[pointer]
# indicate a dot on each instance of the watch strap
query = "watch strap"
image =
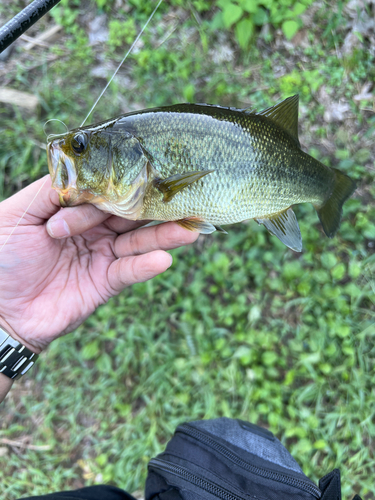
(15, 358)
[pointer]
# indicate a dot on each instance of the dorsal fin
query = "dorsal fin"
(285, 114)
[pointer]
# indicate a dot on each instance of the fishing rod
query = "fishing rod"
(9, 31)
(23, 21)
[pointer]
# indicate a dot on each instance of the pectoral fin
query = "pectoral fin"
(284, 225)
(198, 225)
(176, 183)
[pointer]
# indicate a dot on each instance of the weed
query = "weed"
(240, 326)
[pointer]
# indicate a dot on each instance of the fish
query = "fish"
(202, 166)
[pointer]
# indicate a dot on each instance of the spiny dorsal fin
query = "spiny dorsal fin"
(285, 114)
(176, 183)
(284, 225)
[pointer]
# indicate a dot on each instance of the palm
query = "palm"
(49, 286)
(58, 283)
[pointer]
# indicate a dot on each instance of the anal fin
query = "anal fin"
(193, 224)
(285, 226)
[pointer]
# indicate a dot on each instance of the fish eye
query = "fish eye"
(79, 143)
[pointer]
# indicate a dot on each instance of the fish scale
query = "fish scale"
(201, 166)
(252, 176)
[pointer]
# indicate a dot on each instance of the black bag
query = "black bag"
(232, 460)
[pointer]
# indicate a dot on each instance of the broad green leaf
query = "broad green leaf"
(321, 276)
(224, 3)
(355, 269)
(342, 331)
(189, 91)
(269, 358)
(320, 444)
(250, 6)
(260, 18)
(104, 363)
(244, 32)
(255, 313)
(267, 3)
(369, 231)
(231, 14)
(362, 155)
(91, 350)
(338, 272)
(290, 28)
(328, 260)
(299, 8)
(217, 21)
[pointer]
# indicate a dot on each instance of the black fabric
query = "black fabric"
(99, 492)
(330, 486)
(224, 458)
(158, 488)
(220, 459)
(171, 494)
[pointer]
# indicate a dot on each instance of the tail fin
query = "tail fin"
(330, 213)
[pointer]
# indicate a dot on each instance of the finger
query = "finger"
(71, 221)
(38, 200)
(120, 225)
(136, 269)
(162, 237)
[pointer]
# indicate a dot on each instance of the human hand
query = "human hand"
(49, 284)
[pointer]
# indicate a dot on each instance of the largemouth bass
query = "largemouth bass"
(201, 166)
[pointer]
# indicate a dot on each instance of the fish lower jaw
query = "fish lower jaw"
(130, 207)
(72, 197)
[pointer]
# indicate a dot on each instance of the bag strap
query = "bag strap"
(330, 486)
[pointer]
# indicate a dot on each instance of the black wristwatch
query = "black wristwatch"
(15, 358)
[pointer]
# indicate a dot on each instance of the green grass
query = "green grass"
(240, 326)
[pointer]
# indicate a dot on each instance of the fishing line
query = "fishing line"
(23, 215)
(91, 110)
(121, 63)
(50, 136)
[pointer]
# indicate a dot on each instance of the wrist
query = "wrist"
(5, 385)
(15, 358)
(5, 382)
(8, 329)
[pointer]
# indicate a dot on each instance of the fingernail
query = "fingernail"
(58, 228)
(171, 261)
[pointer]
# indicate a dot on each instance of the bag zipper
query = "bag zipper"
(275, 476)
(202, 483)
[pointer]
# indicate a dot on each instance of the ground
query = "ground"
(240, 326)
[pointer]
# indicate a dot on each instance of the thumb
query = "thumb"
(71, 221)
(36, 203)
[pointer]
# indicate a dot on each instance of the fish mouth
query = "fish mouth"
(63, 173)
